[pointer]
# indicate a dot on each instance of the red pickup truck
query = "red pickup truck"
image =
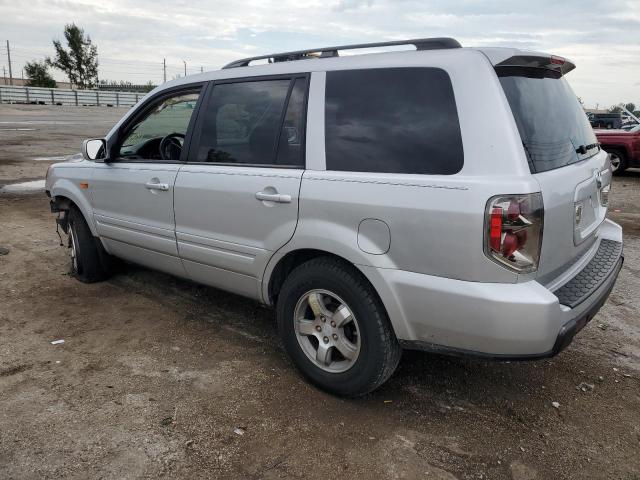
(623, 145)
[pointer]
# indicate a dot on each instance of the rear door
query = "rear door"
(236, 201)
(564, 157)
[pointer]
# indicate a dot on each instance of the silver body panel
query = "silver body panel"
(225, 235)
(130, 217)
(417, 238)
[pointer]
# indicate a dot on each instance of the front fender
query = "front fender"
(70, 188)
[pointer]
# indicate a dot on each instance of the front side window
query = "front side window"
(243, 123)
(160, 134)
(392, 120)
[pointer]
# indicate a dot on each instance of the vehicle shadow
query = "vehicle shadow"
(439, 381)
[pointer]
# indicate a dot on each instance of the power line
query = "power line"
(112, 67)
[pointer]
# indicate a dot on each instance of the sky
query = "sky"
(602, 37)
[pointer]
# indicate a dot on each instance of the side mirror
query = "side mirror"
(94, 149)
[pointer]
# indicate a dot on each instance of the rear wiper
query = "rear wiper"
(583, 149)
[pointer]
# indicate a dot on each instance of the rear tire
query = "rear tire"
(89, 261)
(311, 309)
(618, 161)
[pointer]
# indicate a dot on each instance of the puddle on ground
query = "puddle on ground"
(23, 187)
(51, 159)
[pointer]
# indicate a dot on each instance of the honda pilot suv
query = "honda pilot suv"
(446, 199)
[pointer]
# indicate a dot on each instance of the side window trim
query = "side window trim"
(204, 101)
(201, 88)
(283, 114)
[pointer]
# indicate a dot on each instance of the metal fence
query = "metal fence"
(59, 96)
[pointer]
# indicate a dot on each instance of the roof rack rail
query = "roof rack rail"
(419, 43)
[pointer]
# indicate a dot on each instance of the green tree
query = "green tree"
(630, 106)
(38, 75)
(80, 61)
(149, 86)
(615, 109)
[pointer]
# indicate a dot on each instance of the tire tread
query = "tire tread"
(391, 350)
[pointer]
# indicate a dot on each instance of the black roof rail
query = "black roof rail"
(419, 43)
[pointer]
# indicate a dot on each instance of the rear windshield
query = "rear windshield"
(554, 129)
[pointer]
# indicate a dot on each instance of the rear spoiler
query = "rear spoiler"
(554, 63)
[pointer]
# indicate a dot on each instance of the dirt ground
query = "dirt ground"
(159, 377)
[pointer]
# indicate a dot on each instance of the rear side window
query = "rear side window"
(242, 123)
(551, 122)
(392, 120)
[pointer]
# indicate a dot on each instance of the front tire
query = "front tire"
(89, 261)
(335, 329)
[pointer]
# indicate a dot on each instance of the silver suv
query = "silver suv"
(447, 199)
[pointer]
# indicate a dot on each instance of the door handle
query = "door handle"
(157, 186)
(273, 197)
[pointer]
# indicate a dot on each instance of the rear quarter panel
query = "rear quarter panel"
(436, 222)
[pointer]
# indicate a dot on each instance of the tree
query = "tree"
(615, 109)
(38, 75)
(630, 106)
(80, 61)
(149, 86)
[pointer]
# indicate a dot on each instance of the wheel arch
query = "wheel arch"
(283, 263)
(64, 193)
(620, 148)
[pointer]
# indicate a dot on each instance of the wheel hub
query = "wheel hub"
(327, 331)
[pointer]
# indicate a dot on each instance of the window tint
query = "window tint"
(169, 116)
(242, 122)
(393, 120)
(551, 122)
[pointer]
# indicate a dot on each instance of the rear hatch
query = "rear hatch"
(564, 157)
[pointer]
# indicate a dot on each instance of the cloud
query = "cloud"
(351, 4)
(134, 36)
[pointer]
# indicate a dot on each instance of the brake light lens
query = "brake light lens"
(513, 226)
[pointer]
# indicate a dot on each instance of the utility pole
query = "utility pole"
(9, 58)
(4, 74)
(164, 69)
(185, 67)
(201, 69)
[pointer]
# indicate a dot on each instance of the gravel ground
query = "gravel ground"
(159, 377)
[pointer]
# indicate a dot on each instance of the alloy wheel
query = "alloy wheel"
(614, 158)
(327, 331)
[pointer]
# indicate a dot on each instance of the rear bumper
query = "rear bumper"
(495, 320)
(595, 301)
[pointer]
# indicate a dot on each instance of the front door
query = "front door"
(132, 194)
(236, 200)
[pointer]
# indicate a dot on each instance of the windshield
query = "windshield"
(553, 126)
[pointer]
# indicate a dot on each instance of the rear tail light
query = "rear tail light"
(513, 226)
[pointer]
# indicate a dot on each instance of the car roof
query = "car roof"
(495, 55)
